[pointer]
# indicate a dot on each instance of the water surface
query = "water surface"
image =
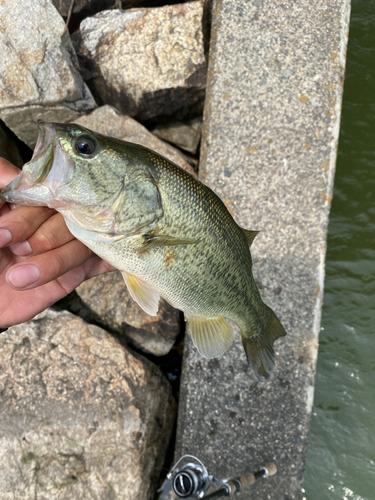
(341, 456)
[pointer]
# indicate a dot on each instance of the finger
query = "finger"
(5, 260)
(38, 299)
(4, 209)
(7, 173)
(96, 266)
(92, 267)
(19, 224)
(41, 269)
(52, 234)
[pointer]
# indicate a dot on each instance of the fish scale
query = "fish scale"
(170, 235)
(223, 240)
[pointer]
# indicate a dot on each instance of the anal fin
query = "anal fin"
(146, 295)
(211, 336)
(259, 350)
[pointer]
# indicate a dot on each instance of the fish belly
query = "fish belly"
(189, 283)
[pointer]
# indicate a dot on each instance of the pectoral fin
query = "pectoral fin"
(212, 336)
(154, 241)
(146, 295)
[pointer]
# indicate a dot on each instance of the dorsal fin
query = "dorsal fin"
(249, 235)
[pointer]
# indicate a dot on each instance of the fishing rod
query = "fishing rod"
(190, 479)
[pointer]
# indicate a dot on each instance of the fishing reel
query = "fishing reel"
(190, 479)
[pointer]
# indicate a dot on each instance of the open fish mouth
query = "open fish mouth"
(46, 137)
(40, 178)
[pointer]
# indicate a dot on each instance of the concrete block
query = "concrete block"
(271, 128)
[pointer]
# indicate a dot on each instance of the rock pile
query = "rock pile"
(114, 46)
(112, 306)
(39, 75)
(81, 416)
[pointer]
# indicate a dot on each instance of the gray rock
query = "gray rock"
(8, 147)
(269, 143)
(111, 304)
(146, 62)
(184, 135)
(108, 121)
(81, 417)
(39, 76)
(23, 120)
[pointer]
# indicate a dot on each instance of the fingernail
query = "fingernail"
(5, 237)
(23, 276)
(21, 248)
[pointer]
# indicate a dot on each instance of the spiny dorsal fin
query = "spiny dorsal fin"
(163, 240)
(212, 337)
(249, 235)
(146, 295)
(259, 350)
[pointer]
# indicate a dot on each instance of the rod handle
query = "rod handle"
(249, 479)
(271, 467)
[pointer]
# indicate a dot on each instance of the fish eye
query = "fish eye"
(84, 146)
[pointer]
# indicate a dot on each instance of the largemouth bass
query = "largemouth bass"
(169, 234)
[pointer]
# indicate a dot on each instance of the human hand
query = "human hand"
(40, 260)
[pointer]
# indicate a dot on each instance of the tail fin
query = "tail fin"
(259, 350)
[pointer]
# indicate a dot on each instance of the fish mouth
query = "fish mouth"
(47, 133)
(40, 178)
